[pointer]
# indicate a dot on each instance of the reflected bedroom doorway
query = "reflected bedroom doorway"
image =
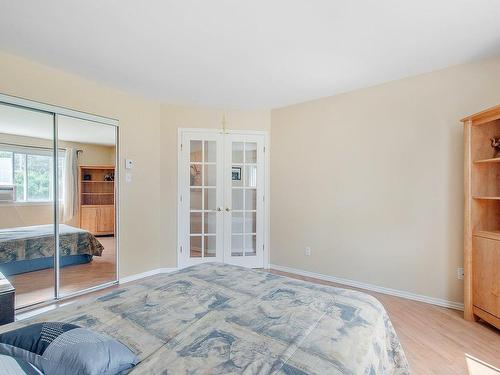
(87, 195)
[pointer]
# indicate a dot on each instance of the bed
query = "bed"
(26, 249)
(221, 319)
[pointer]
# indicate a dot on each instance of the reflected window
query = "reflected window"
(30, 171)
(5, 168)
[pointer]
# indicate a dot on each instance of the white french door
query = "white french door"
(244, 200)
(221, 205)
(202, 198)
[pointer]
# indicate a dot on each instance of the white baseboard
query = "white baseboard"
(142, 275)
(373, 288)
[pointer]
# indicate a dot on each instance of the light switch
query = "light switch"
(129, 163)
(128, 177)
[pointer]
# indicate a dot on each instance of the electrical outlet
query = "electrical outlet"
(307, 251)
(460, 273)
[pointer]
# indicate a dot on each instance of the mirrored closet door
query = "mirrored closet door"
(58, 199)
(27, 181)
(87, 241)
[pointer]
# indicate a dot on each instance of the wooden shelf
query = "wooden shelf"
(98, 167)
(485, 161)
(491, 234)
(98, 205)
(97, 182)
(97, 193)
(97, 199)
(482, 217)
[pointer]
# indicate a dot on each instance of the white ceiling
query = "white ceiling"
(28, 123)
(249, 54)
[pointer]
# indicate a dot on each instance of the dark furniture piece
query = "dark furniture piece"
(7, 294)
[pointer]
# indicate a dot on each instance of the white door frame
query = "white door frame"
(180, 132)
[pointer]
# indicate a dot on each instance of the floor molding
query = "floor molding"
(137, 276)
(373, 288)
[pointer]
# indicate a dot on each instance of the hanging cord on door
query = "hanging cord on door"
(224, 122)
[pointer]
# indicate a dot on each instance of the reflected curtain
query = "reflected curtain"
(70, 205)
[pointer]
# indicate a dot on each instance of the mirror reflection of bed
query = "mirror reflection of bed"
(86, 191)
(32, 287)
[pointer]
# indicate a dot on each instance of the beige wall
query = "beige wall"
(372, 180)
(145, 242)
(139, 134)
(173, 118)
(18, 215)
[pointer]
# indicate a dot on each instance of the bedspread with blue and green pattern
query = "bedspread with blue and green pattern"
(221, 319)
(38, 242)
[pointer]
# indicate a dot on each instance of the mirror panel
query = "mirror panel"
(27, 232)
(87, 242)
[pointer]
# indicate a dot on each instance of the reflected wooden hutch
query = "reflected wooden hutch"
(97, 199)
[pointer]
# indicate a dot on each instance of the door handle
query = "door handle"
(228, 209)
(219, 209)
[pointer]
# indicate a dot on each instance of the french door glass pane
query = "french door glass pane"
(196, 151)
(195, 246)
(203, 198)
(237, 199)
(250, 152)
(236, 245)
(210, 151)
(209, 246)
(237, 176)
(237, 222)
(238, 152)
(251, 176)
(250, 222)
(196, 175)
(210, 221)
(244, 198)
(210, 175)
(250, 199)
(195, 199)
(195, 223)
(210, 198)
(250, 245)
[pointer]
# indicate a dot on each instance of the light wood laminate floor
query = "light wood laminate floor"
(436, 340)
(38, 286)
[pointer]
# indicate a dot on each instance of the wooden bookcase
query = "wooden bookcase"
(97, 199)
(482, 217)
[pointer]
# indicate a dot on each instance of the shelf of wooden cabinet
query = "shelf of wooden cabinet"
(97, 205)
(97, 182)
(491, 234)
(485, 161)
(481, 217)
(97, 198)
(97, 193)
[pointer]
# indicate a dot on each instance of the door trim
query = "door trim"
(180, 132)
